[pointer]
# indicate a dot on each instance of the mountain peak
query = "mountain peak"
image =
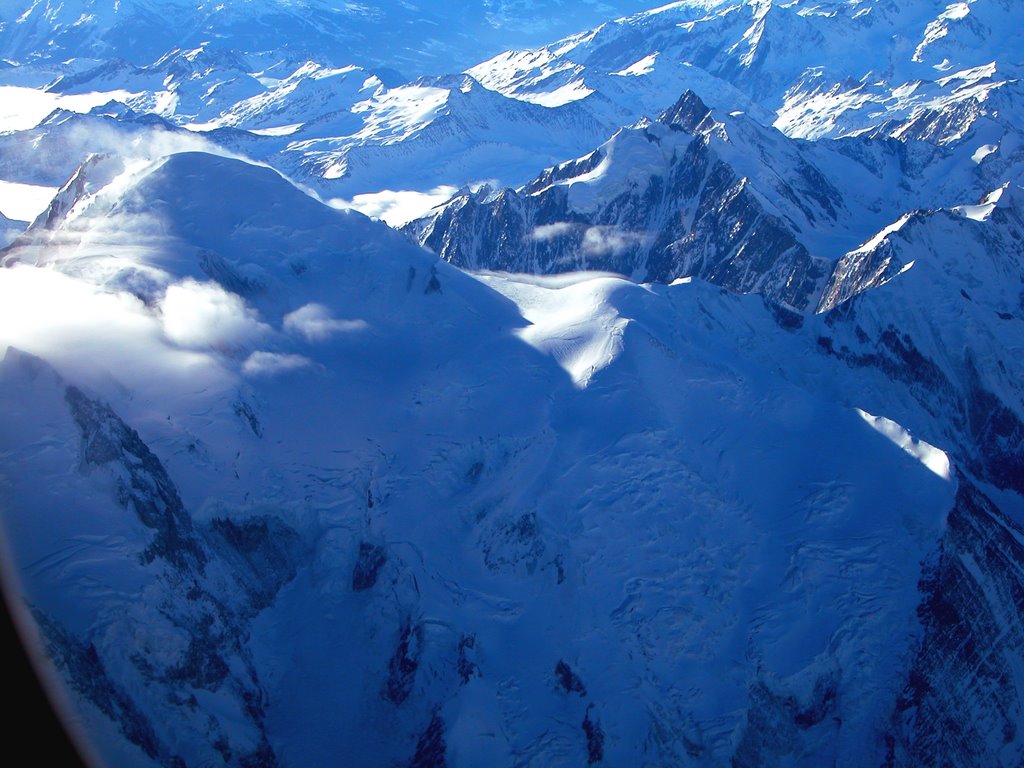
(688, 113)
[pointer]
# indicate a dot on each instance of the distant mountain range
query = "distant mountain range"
(415, 38)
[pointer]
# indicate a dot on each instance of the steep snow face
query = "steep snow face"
(311, 91)
(571, 319)
(143, 226)
(492, 504)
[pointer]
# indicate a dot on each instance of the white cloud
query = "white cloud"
(606, 241)
(396, 207)
(270, 363)
(598, 240)
(23, 202)
(201, 315)
(314, 323)
(550, 231)
(89, 333)
(22, 108)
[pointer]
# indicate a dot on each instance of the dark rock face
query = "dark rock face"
(734, 243)
(139, 693)
(201, 667)
(786, 319)
(963, 704)
(433, 284)
(896, 355)
(142, 485)
(430, 749)
(693, 216)
(568, 170)
(371, 559)
(515, 545)
(595, 739)
(953, 352)
(688, 114)
(824, 703)
(262, 553)
(988, 433)
(937, 126)
(85, 672)
(261, 757)
(232, 276)
(467, 668)
(997, 432)
(569, 680)
(498, 233)
(776, 720)
(71, 193)
(857, 272)
(205, 582)
(403, 664)
(245, 412)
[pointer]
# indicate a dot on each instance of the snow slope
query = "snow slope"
(493, 505)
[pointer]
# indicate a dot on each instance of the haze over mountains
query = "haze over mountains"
(416, 38)
(677, 419)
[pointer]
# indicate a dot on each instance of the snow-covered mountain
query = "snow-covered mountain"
(720, 197)
(657, 201)
(446, 129)
(821, 68)
(693, 436)
(351, 128)
(416, 38)
(340, 131)
(429, 481)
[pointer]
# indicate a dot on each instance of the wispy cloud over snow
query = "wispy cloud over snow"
(86, 330)
(596, 240)
(315, 323)
(271, 363)
(22, 107)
